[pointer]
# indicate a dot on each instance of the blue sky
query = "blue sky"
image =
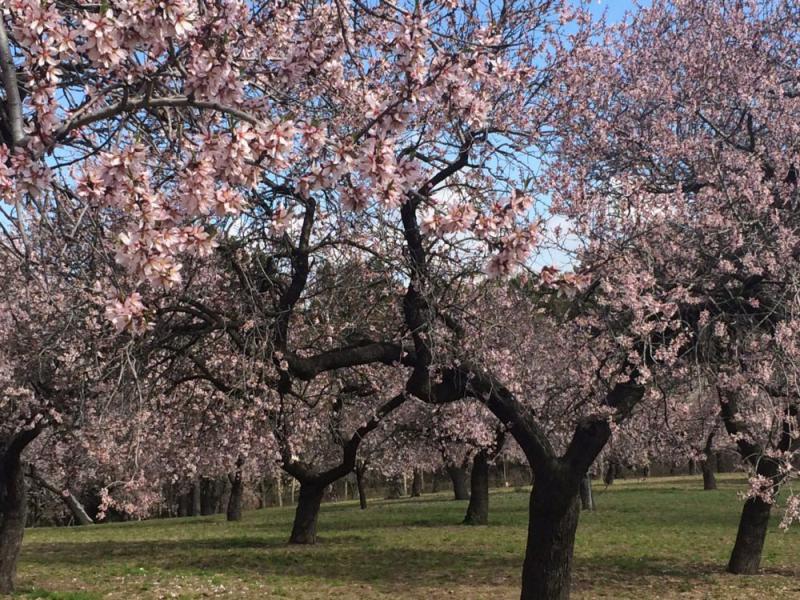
(616, 8)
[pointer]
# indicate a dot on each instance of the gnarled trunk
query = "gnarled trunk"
(458, 475)
(304, 529)
(13, 506)
(478, 509)
(587, 498)
(551, 539)
(753, 524)
(362, 492)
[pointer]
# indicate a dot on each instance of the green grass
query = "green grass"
(663, 538)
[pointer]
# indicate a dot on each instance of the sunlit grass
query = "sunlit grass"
(663, 538)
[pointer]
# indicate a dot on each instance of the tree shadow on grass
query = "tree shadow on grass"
(342, 558)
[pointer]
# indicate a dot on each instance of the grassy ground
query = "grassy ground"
(664, 538)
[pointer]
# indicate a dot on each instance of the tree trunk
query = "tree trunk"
(416, 484)
(587, 499)
(395, 491)
(611, 473)
(458, 475)
(692, 467)
(304, 529)
(478, 509)
(73, 504)
(14, 508)
(234, 512)
(709, 479)
(362, 492)
(753, 524)
(551, 539)
(185, 504)
(196, 498)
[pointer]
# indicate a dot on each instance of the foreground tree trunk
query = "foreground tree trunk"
(12, 526)
(304, 529)
(458, 475)
(13, 507)
(362, 492)
(753, 525)
(478, 509)
(551, 539)
(587, 498)
(754, 522)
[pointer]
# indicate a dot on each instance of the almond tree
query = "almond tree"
(681, 168)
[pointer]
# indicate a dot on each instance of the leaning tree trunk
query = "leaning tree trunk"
(478, 509)
(587, 498)
(73, 504)
(458, 475)
(13, 495)
(746, 555)
(551, 539)
(234, 512)
(362, 491)
(304, 529)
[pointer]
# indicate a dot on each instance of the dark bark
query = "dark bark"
(221, 489)
(12, 524)
(304, 529)
(434, 482)
(753, 524)
(611, 473)
(692, 467)
(13, 507)
(212, 492)
(362, 492)
(196, 498)
(234, 512)
(416, 484)
(709, 479)
(551, 539)
(587, 498)
(478, 509)
(458, 475)
(185, 504)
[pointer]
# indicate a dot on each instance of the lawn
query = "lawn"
(662, 538)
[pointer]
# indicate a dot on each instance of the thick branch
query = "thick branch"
(13, 101)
